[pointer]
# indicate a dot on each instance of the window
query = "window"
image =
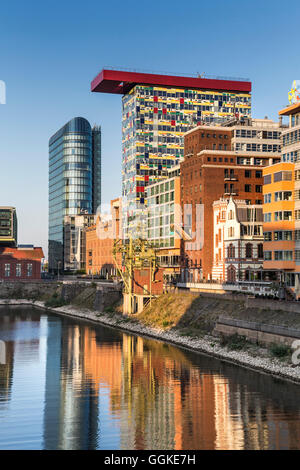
(260, 250)
(287, 215)
(7, 270)
(247, 173)
(247, 188)
(231, 251)
(258, 174)
(283, 176)
(29, 269)
(283, 196)
(267, 217)
(18, 270)
(283, 255)
(267, 255)
(268, 236)
(288, 235)
(267, 179)
(288, 256)
(297, 234)
(248, 250)
(258, 188)
(267, 198)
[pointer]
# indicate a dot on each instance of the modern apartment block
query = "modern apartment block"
(213, 168)
(74, 241)
(74, 180)
(279, 222)
(282, 205)
(164, 222)
(157, 110)
(255, 135)
(238, 241)
(8, 226)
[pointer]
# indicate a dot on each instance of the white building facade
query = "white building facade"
(238, 241)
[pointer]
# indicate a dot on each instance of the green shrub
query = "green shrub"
(55, 301)
(109, 309)
(234, 342)
(280, 350)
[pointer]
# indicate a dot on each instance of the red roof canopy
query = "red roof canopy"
(118, 82)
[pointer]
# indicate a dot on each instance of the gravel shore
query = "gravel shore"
(207, 344)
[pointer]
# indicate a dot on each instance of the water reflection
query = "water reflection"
(71, 385)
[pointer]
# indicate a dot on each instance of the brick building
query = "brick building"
(20, 264)
(99, 239)
(222, 161)
(147, 282)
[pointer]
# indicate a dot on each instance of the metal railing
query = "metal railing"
(177, 74)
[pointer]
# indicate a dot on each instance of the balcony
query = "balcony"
(231, 192)
(230, 178)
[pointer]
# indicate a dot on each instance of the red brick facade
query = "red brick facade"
(208, 173)
(18, 264)
(142, 281)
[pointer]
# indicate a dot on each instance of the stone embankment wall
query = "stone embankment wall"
(258, 333)
(284, 306)
(28, 290)
(92, 295)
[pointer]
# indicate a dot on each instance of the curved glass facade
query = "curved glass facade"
(71, 178)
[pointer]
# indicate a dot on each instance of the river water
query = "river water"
(69, 384)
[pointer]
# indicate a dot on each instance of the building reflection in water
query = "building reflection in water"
(107, 389)
(160, 396)
(9, 337)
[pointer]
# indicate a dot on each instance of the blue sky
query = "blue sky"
(50, 52)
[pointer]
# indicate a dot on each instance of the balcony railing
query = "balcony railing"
(230, 178)
(232, 192)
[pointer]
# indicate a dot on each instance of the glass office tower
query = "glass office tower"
(74, 180)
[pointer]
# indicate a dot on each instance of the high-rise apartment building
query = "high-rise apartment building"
(164, 222)
(157, 110)
(8, 226)
(74, 180)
